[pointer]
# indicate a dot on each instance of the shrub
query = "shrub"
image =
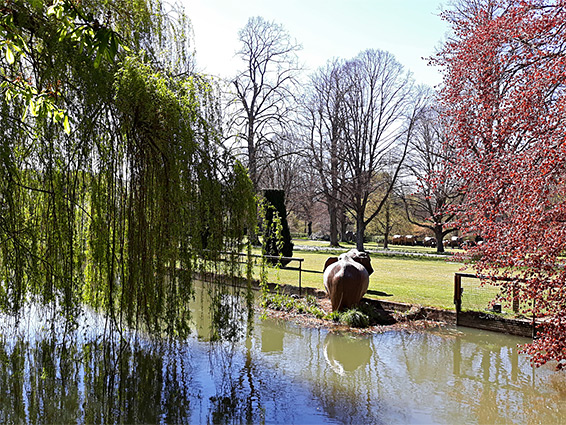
(334, 316)
(276, 237)
(311, 300)
(315, 311)
(355, 318)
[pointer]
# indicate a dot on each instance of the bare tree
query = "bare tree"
(392, 214)
(264, 89)
(436, 191)
(303, 195)
(283, 173)
(381, 106)
(324, 117)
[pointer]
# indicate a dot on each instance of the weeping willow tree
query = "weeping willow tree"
(114, 188)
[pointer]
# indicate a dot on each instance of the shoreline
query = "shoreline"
(402, 312)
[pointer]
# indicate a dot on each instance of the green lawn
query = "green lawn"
(374, 245)
(422, 281)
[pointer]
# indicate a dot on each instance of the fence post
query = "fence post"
(457, 294)
(534, 324)
(300, 272)
(515, 299)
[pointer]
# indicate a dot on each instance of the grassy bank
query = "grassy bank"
(424, 281)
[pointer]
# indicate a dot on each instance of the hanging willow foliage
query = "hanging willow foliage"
(117, 208)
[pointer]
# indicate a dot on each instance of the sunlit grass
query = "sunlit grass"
(428, 282)
(374, 246)
(413, 280)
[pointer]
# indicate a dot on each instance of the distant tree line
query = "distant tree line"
(356, 135)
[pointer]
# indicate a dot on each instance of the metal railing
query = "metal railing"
(276, 258)
(458, 290)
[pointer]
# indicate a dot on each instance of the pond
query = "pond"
(281, 373)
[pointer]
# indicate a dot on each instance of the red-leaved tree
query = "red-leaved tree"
(504, 95)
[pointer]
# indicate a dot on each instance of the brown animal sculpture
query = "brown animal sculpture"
(346, 278)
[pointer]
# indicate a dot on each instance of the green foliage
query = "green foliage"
(311, 300)
(355, 318)
(278, 301)
(276, 234)
(29, 28)
(315, 311)
(115, 189)
(335, 316)
(282, 302)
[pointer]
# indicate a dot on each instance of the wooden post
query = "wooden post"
(534, 324)
(457, 294)
(300, 272)
(515, 299)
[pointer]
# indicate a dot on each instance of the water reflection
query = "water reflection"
(272, 339)
(48, 382)
(346, 352)
(439, 376)
(281, 373)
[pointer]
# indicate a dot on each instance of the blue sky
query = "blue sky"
(410, 29)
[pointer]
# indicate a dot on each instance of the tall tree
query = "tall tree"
(264, 88)
(324, 117)
(505, 95)
(380, 109)
(436, 190)
(103, 209)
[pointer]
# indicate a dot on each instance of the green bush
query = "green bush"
(278, 302)
(283, 302)
(311, 300)
(334, 316)
(276, 234)
(315, 311)
(355, 318)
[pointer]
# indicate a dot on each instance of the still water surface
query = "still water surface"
(282, 373)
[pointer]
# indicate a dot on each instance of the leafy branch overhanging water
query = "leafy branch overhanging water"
(120, 206)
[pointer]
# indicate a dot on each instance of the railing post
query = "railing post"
(300, 273)
(515, 299)
(534, 324)
(457, 294)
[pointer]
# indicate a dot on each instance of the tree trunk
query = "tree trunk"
(387, 225)
(343, 224)
(252, 170)
(332, 202)
(333, 213)
(252, 160)
(360, 231)
(439, 235)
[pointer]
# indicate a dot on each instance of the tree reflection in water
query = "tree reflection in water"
(347, 353)
(89, 376)
(94, 381)
(280, 373)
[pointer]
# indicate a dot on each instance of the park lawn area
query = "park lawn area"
(422, 281)
(373, 245)
(414, 281)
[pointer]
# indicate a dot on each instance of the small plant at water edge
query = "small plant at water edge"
(335, 316)
(315, 311)
(283, 302)
(311, 300)
(278, 302)
(355, 318)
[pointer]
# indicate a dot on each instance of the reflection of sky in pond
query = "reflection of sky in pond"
(282, 373)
